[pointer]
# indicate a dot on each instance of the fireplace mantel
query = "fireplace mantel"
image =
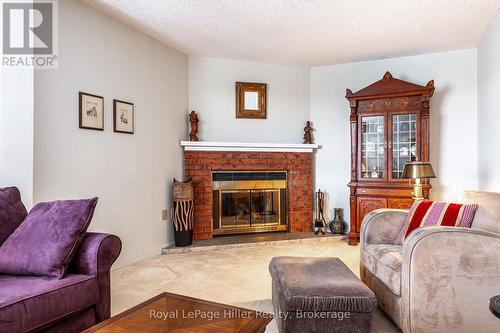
(248, 147)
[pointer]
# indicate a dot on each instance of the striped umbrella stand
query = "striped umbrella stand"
(182, 212)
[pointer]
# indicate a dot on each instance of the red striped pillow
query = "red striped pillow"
(428, 213)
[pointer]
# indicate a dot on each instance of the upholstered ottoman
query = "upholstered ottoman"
(319, 295)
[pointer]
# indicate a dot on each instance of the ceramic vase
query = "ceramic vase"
(337, 224)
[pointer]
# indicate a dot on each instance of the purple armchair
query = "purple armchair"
(71, 304)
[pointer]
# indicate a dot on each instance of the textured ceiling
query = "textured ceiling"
(308, 32)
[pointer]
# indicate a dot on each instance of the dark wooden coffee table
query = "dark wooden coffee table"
(176, 313)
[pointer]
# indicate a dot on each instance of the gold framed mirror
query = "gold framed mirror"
(251, 100)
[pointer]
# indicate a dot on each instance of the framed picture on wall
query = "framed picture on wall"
(123, 117)
(90, 111)
(251, 100)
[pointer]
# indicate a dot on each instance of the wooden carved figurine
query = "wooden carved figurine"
(194, 120)
(308, 139)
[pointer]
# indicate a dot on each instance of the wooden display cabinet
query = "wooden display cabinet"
(389, 127)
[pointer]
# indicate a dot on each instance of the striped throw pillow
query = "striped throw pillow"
(428, 213)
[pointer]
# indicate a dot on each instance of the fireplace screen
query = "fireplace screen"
(250, 208)
(244, 205)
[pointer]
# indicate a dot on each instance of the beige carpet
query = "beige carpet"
(237, 276)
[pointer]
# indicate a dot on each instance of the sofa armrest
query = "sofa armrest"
(95, 257)
(381, 226)
(448, 276)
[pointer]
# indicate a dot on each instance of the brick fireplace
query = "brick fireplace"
(202, 159)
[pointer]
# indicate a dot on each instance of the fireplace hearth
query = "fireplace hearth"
(245, 202)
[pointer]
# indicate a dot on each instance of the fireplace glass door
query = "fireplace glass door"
(249, 208)
(265, 207)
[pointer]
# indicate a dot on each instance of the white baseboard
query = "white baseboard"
(136, 257)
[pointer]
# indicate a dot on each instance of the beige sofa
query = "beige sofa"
(442, 278)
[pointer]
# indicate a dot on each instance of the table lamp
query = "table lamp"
(417, 171)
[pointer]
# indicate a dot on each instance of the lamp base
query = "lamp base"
(417, 191)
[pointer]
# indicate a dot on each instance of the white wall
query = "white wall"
(489, 108)
(16, 131)
(453, 110)
(212, 95)
(131, 174)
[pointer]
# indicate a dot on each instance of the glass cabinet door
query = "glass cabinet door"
(404, 142)
(373, 147)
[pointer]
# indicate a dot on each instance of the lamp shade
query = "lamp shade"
(414, 170)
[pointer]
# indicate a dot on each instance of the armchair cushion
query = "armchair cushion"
(12, 211)
(28, 302)
(384, 261)
(47, 240)
(428, 213)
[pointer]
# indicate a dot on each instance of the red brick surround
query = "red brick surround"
(199, 165)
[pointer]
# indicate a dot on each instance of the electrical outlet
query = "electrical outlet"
(164, 215)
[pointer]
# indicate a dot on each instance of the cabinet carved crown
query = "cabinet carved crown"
(389, 125)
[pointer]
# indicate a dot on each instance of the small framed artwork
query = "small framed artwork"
(91, 111)
(123, 117)
(251, 100)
